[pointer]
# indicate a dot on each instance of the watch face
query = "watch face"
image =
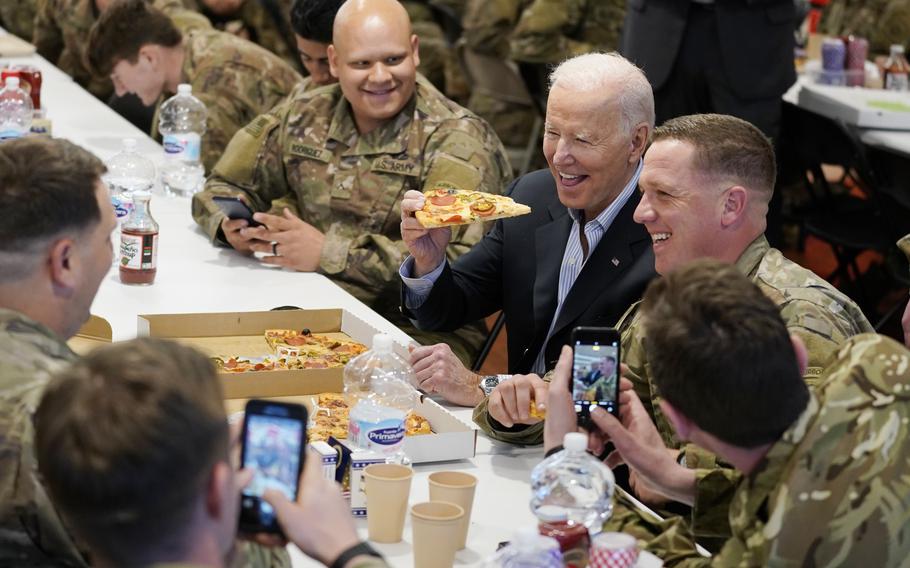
(489, 383)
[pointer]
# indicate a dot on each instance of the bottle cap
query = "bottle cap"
(184, 89)
(382, 343)
(129, 144)
(551, 514)
(897, 48)
(575, 442)
(12, 82)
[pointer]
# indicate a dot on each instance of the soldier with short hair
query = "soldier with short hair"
(312, 21)
(143, 52)
(342, 156)
(55, 248)
(824, 471)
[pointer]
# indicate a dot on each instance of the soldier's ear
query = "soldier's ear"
(415, 45)
(62, 266)
(333, 60)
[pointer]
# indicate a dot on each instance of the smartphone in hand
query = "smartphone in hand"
(235, 208)
(595, 370)
(274, 447)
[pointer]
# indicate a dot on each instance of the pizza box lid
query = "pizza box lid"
(93, 334)
(864, 108)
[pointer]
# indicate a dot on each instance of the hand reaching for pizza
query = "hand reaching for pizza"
(438, 370)
(297, 244)
(427, 246)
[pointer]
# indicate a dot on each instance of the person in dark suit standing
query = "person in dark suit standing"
(577, 259)
(724, 56)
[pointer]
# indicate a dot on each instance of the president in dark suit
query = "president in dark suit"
(577, 259)
(725, 56)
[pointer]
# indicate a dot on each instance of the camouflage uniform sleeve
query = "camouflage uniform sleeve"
(251, 167)
(252, 555)
(488, 23)
(539, 36)
(462, 152)
(224, 119)
(46, 35)
(520, 434)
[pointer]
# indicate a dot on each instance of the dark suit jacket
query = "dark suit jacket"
(515, 267)
(755, 37)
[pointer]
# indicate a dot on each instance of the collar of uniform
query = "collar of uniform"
(390, 138)
(17, 322)
(755, 488)
(748, 261)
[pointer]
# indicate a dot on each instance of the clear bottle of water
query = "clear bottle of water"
(181, 122)
(527, 550)
(377, 385)
(127, 172)
(16, 110)
(574, 483)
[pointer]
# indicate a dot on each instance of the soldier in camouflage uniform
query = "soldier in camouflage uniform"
(341, 156)
(812, 309)
(61, 29)
(18, 17)
(50, 269)
(882, 22)
(145, 53)
(312, 21)
(825, 474)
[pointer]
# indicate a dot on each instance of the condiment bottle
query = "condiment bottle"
(139, 243)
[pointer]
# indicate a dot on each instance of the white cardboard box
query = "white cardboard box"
(864, 108)
(239, 333)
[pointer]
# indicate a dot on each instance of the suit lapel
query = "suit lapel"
(550, 241)
(606, 263)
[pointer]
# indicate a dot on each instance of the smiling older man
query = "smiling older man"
(577, 259)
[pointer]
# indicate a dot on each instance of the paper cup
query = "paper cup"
(387, 488)
(613, 550)
(455, 487)
(436, 527)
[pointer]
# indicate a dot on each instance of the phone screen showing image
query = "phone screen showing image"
(595, 375)
(272, 448)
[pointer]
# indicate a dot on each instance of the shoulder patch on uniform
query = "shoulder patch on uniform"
(259, 125)
(313, 152)
(387, 164)
(448, 171)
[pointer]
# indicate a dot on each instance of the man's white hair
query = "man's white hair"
(601, 71)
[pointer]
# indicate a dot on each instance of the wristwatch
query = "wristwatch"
(359, 549)
(489, 382)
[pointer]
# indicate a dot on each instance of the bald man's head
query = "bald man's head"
(374, 56)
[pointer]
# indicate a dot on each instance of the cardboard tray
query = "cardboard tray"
(93, 333)
(241, 333)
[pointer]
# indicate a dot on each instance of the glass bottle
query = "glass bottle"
(139, 243)
(897, 70)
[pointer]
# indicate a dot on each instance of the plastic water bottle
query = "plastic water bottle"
(575, 484)
(127, 172)
(16, 110)
(181, 122)
(377, 384)
(528, 550)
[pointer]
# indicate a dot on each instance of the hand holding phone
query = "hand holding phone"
(274, 440)
(235, 208)
(595, 370)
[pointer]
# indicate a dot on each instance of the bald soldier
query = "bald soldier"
(144, 53)
(342, 156)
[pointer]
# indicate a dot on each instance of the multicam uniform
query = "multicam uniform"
(307, 154)
(31, 532)
(61, 30)
(18, 17)
(254, 21)
(835, 489)
(236, 79)
(882, 22)
(550, 31)
(811, 308)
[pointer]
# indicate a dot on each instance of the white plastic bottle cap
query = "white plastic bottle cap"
(129, 144)
(184, 89)
(382, 343)
(12, 82)
(575, 442)
(551, 514)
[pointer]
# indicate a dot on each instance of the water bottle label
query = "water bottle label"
(138, 252)
(379, 436)
(10, 133)
(185, 146)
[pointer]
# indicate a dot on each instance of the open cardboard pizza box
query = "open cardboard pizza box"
(241, 333)
(93, 333)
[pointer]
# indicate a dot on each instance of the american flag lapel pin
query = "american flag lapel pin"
(615, 261)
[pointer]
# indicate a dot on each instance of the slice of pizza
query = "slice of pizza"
(416, 425)
(446, 207)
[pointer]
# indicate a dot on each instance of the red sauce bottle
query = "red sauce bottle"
(139, 243)
(573, 540)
